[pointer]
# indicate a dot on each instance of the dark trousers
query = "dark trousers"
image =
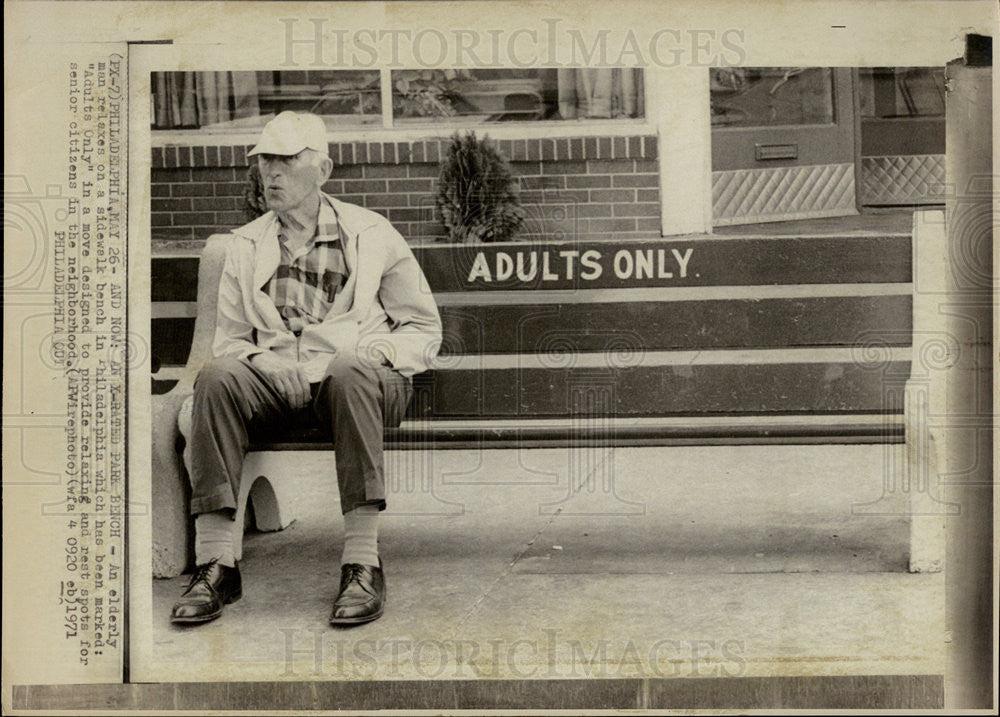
(234, 403)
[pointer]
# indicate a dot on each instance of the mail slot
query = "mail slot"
(777, 151)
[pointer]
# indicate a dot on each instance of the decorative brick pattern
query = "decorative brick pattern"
(430, 150)
(571, 188)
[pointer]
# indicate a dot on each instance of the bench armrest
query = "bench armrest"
(171, 519)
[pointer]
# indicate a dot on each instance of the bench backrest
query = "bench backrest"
(701, 326)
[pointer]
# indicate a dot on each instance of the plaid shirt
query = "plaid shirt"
(307, 281)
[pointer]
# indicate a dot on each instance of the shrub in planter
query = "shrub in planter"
(475, 192)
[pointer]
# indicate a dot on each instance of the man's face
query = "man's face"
(290, 181)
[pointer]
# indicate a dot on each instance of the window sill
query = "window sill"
(417, 131)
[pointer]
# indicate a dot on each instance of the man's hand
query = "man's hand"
(286, 376)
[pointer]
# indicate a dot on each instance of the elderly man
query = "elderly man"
(324, 315)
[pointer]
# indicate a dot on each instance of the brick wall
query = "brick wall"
(571, 188)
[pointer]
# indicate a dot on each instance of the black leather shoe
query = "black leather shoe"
(362, 595)
(212, 586)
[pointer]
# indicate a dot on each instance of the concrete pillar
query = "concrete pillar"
(966, 456)
(935, 353)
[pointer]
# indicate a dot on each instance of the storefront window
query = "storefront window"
(893, 92)
(475, 96)
(771, 96)
(236, 100)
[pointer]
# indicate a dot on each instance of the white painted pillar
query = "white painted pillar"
(679, 104)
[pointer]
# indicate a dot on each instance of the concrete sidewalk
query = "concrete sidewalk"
(547, 563)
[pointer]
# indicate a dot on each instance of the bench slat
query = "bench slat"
(174, 278)
(657, 390)
(747, 323)
(661, 390)
(712, 262)
(684, 325)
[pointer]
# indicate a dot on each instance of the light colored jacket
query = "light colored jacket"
(385, 308)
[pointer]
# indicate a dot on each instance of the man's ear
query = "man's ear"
(325, 168)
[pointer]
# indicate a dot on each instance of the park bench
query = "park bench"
(692, 340)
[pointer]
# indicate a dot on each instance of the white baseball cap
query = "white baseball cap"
(291, 132)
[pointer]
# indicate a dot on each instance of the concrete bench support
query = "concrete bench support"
(263, 485)
(925, 397)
